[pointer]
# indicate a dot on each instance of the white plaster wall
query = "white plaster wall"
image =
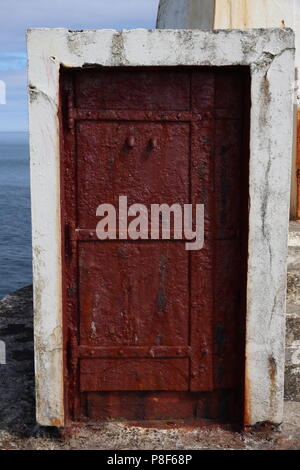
(269, 177)
(270, 56)
(182, 14)
(45, 203)
(240, 14)
(226, 14)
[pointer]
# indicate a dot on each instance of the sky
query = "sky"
(18, 15)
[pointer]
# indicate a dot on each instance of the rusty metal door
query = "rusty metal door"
(153, 331)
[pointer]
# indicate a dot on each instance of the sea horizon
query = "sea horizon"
(15, 238)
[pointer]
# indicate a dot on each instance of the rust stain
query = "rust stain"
(247, 400)
(246, 14)
(298, 164)
(230, 15)
(243, 14)
(272, 369)
(272, 375)
(56, 423)
(298, 193)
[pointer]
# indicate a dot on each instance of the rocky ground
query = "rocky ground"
(18, 429)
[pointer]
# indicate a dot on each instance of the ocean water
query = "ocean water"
(15, 228)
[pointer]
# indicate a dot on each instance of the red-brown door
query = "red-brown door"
(153, 331)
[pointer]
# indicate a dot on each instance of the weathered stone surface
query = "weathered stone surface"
(293, 287)
(17, 404)
(294, 258)
(292, 351)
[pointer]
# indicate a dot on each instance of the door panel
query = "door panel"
(141, 374)
(116, 278)
(133, 89)
(108, 168)
(153, 331)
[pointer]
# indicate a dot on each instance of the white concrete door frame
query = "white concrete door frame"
(269, 54)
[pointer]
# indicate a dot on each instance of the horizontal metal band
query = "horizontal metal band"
(85, 352)
(91, 235)
(135, 115)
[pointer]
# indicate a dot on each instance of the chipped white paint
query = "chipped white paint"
(2, 353)
(270, 56)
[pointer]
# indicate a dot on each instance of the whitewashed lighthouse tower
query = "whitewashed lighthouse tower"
(186, 14)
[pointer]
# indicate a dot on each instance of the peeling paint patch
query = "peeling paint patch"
(117, 50)
(273, 384)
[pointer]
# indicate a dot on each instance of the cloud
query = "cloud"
(12, 61)
(18, 15)
(14, 114)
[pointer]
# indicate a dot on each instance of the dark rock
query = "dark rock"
(17, 403)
